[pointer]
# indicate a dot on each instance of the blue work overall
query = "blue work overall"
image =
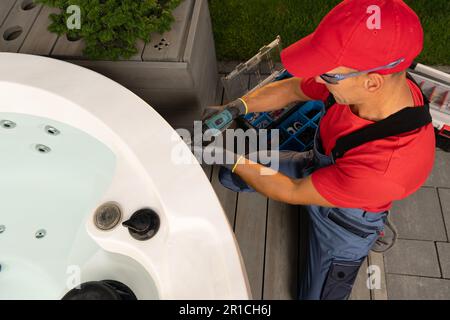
(339, 238)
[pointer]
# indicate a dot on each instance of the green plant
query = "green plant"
(111, 28)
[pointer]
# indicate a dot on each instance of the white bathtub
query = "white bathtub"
(112, 147)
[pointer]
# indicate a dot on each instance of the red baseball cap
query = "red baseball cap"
(358, 34)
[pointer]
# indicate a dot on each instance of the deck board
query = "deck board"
(66, 48)
(17, 19)
(227, 197)
(302, 252)
(5, 8)
(281, 261)
(377, 259)
(250, 230)
(39, 40)
(208, 171)
(360, 289)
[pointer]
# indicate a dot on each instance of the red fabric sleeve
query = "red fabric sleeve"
(349, 185)
(314, 90)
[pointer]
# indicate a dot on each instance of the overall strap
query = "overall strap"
(403, 121)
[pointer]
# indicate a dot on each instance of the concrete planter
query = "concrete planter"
(176, 73)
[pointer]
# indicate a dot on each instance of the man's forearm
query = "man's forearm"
(278, 186)
(274, 96)
(275, 186)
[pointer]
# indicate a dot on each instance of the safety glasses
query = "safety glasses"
(331, 78)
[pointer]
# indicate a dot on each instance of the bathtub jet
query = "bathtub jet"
(72, 144)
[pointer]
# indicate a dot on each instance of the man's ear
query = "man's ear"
(373, 82)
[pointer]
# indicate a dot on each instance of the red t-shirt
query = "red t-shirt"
(372, 175)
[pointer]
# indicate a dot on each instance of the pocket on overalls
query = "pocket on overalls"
(340, 279)
(351, 226)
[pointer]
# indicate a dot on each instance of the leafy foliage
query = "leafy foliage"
(111, 28)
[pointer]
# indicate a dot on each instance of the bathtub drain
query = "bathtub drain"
(107, 216)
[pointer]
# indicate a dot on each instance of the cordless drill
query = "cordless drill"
(223, 119)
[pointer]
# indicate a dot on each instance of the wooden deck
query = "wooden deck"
(272, 237)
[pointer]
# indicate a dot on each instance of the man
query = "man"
(375, 143)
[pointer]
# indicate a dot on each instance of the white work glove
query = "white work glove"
(217, 155)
